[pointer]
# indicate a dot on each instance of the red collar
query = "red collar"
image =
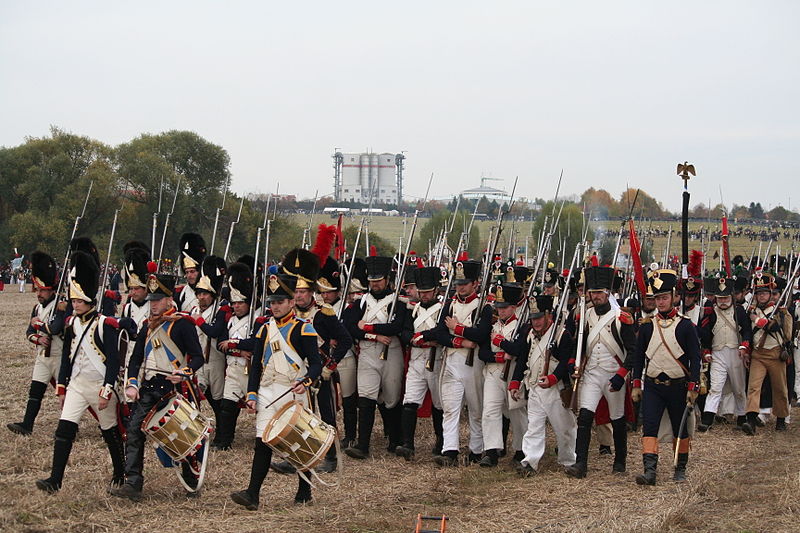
(468, 299)
(285, 320)
(671, 314)
(510, 319)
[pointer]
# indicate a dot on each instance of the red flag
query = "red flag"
(636, 255)
(339, 249)
(726, 253)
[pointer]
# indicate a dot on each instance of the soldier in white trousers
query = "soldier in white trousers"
(725, 335)
(422, 376)
(542, 369)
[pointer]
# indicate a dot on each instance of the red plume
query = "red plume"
(463, 256)
(372, 250)
(152, 267)
(322, 246)
(695, 264)
(595, 260)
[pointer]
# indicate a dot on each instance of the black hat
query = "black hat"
(378, 267)
(212, 275)
(550, 277)
(427, 278)
(281, 287)
(358, 278)
(329, 278)
(573, 281)
(780, 284)
(240, 281)
(631, 303)
(85, 244)
(690, 285)
(135, 244)
(741, 282)
(507, 294)
(303, 265)
(719, 285)
(517, 274)
(256, 269)
(43, 270)
(538, 303)
(134, 271)
(763, 281)
(466, 271)
(84, 277)
(193, 251)
(661, 281)
(598, 278)
(160, 286)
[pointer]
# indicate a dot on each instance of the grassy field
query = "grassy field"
(736, 483)
(391, 228)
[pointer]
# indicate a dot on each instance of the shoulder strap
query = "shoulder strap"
(664, 342)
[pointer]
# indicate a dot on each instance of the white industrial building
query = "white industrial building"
(358, 177)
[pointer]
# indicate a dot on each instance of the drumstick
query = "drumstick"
(306, 382)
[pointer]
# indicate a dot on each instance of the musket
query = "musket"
(155, 217)
(307, 231)
(65, 265)
(102, 287)
(255, 298)
(562, 303)
(486, 274)
(349, 271)
(216, 219)
(763, 260)
(265, 273)
(230, 232)
(448, 229)
(580, 362)
(401, 271)
(622, 227)
(166, 221)
(665, 263)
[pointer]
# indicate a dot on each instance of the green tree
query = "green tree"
(428, 235)
(567, 233)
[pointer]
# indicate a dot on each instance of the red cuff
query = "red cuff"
(38, 326)
(331, 365)
(622, 372)
(691, 386)
(500, 357)
(514, 385)
(551, 380)
(61, 389)
(199, 321)
(637, 383)
(457, 342)
(497, 339)
(459, 330)
(706, 351)
(571, 361)
(368, 328)
(761, 322)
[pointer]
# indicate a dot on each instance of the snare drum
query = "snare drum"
(299, 436)
(178, 427)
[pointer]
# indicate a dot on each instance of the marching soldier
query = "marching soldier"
(379, 375)
(458, 381)
(210, 326)
(772, 328)
(285, 356)
(47, 321)
(348, 366)
(420, 379)
(193, 251)
(543, 370)
(669, 348)
(137, 309)
(87, 375)
(725, 336)
(167, 352)
(236, 343)
(333, 339)
(608, 344)
(497, 401)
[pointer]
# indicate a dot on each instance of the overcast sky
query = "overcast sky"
(612, 92)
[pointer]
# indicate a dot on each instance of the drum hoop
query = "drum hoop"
(153, 410)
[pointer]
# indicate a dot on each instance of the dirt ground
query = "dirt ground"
(735, 483)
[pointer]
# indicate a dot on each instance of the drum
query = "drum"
(177, 427)
(299, 436)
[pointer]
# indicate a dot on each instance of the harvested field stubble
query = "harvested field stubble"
(735, 483)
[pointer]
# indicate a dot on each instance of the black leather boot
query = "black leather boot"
(35, 395)
(706, 421)
(489, 458)
(680, 468)
(116, 448)
(619, 428)
(262, 457)
(650, 461)
(584, 437)
(437, 415)
(506, 428)
(330, 463)
(394, 420)
(350, 419)
(409, 423)
(366, 419)
(780, 424)
(448, 458)
(65, 436)
(226, 425)
(749, 427)
(303, 494)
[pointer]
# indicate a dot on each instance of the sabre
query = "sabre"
(216, 219)
(230, 231)
(166, 221)
(689, 408)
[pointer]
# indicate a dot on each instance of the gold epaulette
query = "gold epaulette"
(327, 310)
(645, 320)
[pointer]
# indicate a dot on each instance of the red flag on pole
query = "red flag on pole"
(636, 256)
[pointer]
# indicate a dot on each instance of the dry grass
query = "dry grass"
(735, 483)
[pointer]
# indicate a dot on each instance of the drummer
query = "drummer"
(285, 356)
(168, 349)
